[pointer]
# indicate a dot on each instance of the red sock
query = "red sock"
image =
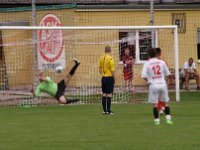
(160, 105)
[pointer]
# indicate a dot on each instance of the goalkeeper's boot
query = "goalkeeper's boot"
(169, 122)
(76, 61)
(72, 101)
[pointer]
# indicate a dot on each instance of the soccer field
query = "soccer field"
(83, 127)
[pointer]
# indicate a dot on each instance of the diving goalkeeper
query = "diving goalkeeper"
(56, 90)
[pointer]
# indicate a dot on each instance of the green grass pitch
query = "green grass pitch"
(83, 127)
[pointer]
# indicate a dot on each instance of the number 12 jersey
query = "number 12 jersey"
(155, 70)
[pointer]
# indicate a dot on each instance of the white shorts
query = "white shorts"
(158, 92)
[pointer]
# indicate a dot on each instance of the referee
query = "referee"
(107, 71)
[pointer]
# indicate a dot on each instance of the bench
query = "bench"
(181, 79)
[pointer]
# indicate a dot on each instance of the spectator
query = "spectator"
(128, 63)
(188, 72)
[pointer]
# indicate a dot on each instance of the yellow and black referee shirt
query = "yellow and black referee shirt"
(107, 65)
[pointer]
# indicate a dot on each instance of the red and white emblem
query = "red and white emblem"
(50, 43)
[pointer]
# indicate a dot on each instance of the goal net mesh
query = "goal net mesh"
(22, 57)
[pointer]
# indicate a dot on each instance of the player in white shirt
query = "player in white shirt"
(154, 72)
(161, 105)
(189, 71)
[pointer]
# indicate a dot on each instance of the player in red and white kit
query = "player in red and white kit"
(154, 72)
(128, 63)
(161, 105)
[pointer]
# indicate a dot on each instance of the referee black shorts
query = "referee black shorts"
(107, 84)
(61, 89)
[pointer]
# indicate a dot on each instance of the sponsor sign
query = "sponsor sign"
(51, 50)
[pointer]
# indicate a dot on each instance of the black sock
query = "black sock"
(155, 112)
(72, 71)
(108, 104)
(167, 110)
(72, 101)
(104, 103)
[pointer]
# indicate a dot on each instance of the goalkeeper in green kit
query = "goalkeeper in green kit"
(56, 90)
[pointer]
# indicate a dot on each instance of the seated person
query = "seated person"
(189, 71)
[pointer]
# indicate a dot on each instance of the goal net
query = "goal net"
(25, 51)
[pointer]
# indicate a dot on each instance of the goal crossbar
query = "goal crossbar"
(84, 27)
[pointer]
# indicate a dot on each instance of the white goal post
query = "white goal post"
(172, 27)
